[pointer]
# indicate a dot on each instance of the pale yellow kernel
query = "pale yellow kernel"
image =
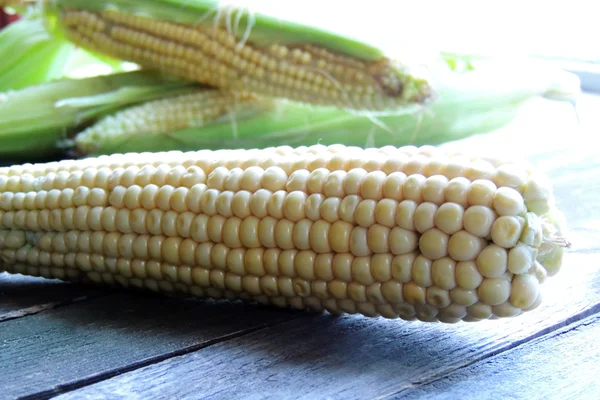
(312, 207)
(412, 189)
(385, 212)
(218, 256)
(266, 231)
(434, 244)
(374, 294)
(193, 176)
(463, 296)
(492, 262)
(372, 185)
(357, 292)
(178, 200)
(437, 297)
(285, 286)
(298, 181)
(416, 164)
(254, 261)
(284, 234)
(259, 201)
(275, 204)
(338, 289)
(421, 271)
(215, 228)
(433, 189)
(393, 184)
(122, 221)
(510, 175)
(479, 311)
(413, 293)
(494, 291)
(194, 197)
(319, 236)
(424, 217)
(464, 246)
(443, 273)
(293, 206)
(538, 271)
(506, 231)
(524, 291)
(240, 204)
(381, 267)
(456, 191)
(478, 220)
(358, 241)
(148, 197)
(378, 238)
(316, 180)
(163, 197)
(201, 277)
(251, 179)
(508, 202)
(231, 232)
(249, 232)
(301, 234)
(216, 179)
(274, 179)
(94, 220)
(324, 265)
(480, 169)
(468, 275)
(405, 215)
(334, 185)
(521, 258)
(251, 284)
(361, 270)
(339, 240)
(268, 285)
(392, 292)
(304, 264)
(481, 193)
(353, 181)
(453, 312)
(348, 207)
(449, 218)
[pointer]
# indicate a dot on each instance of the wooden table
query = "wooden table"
(61, 340)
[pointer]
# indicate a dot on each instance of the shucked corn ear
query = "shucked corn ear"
(397, 232)
(486, 97)
(241, 50)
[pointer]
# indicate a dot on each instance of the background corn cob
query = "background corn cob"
(34, 120)
(479, 98)
(240, 50)
(399, 232)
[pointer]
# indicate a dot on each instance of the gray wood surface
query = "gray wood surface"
(74, 345)
(563, 365)
(113, 345)
(23, 295)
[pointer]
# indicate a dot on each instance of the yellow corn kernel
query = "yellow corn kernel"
(218, 224)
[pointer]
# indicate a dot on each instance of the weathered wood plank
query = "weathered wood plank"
(22, 295)
(71, 346)
(563, 365)
(317, 357)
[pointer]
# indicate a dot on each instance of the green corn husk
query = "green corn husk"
(385, 84)
(35, 120)
(473, 100)
(31, 55)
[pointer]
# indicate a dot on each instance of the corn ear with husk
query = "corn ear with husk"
(481, 98)
(243, 51)
(35, 120)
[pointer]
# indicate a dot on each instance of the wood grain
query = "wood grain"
(89, 341)
(22, 295)
(563, 365)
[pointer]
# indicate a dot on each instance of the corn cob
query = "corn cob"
(239, 50)
(34, 120)
(486, 97)
(402, 232)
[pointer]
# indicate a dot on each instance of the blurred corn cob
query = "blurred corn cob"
(244, 51)
(478, 99)
(34, 120)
